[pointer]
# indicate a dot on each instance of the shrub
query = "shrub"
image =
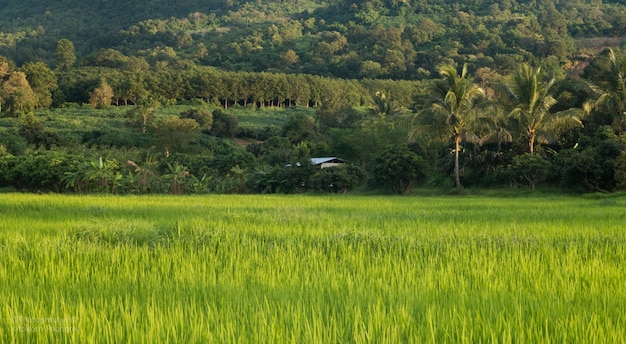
(593, 163)
(13, 144)
(398, 168)
(43, 170)
(224, 125)
(529, 168)
(340, 178)
(202, 116)
(620, 170)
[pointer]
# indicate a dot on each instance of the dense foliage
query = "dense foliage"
(181, 96)
(347, 39)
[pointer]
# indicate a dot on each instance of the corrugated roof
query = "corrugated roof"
(318, 161)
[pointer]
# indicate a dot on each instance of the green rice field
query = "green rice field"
(312, 269)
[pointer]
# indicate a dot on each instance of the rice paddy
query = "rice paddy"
(312, 269)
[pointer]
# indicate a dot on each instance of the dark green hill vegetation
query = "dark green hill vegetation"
(368, 38)
(31, 29)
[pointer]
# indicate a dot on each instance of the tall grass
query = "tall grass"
(274, 269)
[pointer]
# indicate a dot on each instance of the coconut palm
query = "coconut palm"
(612, 98)
(453, 109)
(530, 97)
(384, 107)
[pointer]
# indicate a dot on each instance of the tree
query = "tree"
(223, 125)
(39, 170)
(65, 54)
(454, 100)
(131, 87)
(386, 108)
(17, 94)
(289, 57)
(275, 151)
(299, 128)
(4, 71)
(42, 80)
(296, 177)
(612, 98)
(143, 114)
(620, 170)
(12, 144)
(370, 69)
(531, 99)
(175, 132)
(530, 168)
(5, 68)
(31, 129)
(594, 162)
(202, 116)
(340, 178)
(398, 168)
(101, 96)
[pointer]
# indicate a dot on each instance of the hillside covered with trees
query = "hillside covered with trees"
(222, 96)
(345, 39)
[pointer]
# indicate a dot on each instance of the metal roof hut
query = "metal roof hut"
(327, 162)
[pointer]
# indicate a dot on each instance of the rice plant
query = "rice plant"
(343, 269)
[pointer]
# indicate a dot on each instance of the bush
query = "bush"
(33, 131)
(116, 138)
(593, 163)
(620, 170)
(340, 178)
(529, 169)
(13, 144)
(270, 181)
(202, 116)
(44, 170)
(398, 168)
(298, 128)
(224, 125)
(294, 178)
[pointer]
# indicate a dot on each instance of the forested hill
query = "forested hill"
(398, 39)
(27, 27)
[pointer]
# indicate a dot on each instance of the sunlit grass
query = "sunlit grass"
(300, 269)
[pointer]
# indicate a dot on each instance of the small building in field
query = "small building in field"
(327, 162)
(324, 162)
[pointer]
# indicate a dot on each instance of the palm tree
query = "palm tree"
(612, 99)
(530, 98)
(454, 104)
(384, 107)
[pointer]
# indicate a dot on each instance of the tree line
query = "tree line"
(524, 129)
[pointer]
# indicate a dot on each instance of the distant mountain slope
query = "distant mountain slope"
(398, 39)
(35, 25)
